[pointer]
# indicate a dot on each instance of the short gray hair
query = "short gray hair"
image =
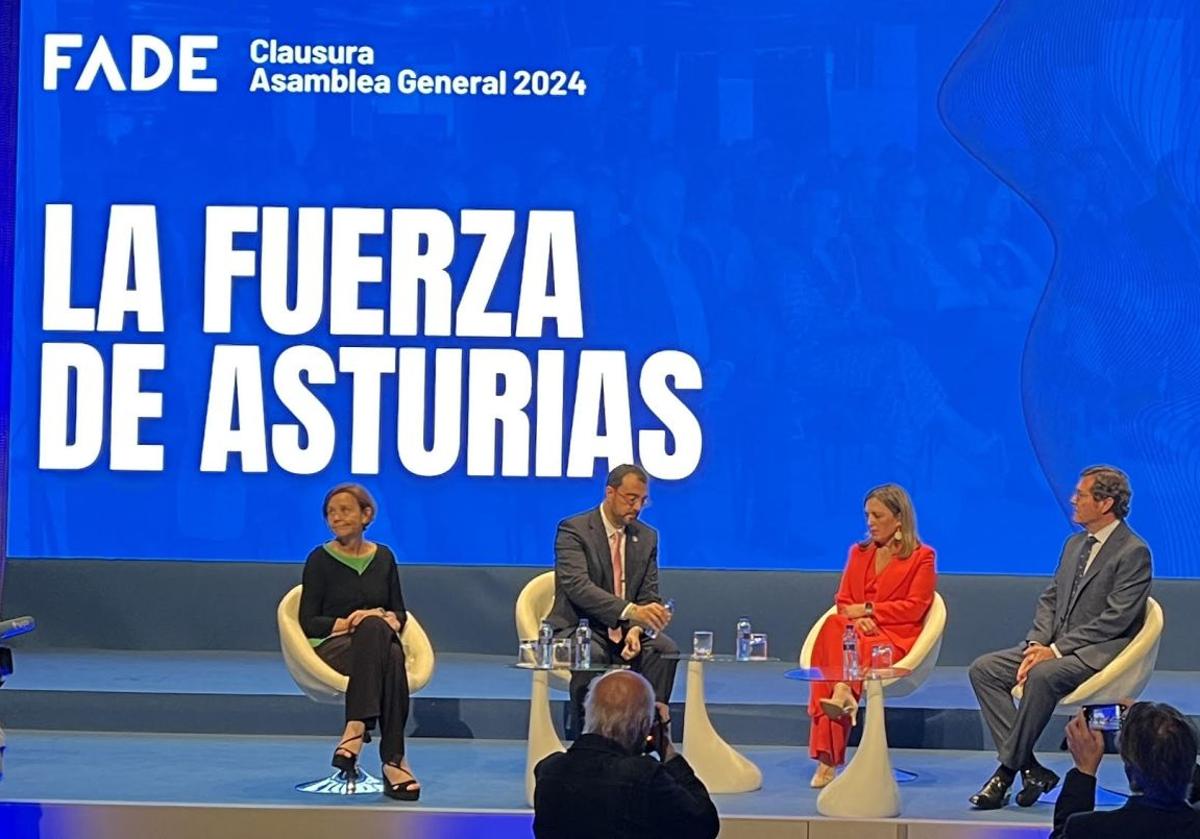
(620, 706)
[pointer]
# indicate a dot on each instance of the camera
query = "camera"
(1104, 717)
(656, 738)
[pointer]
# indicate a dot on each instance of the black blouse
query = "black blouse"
(333, 589)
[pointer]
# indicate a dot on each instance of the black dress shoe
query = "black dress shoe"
(993, 795)
(1036, 782)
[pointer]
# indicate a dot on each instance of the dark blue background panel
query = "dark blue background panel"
(944, 244)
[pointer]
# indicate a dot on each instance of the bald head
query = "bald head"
(620, 706)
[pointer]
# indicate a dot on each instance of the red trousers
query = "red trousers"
(827, 738)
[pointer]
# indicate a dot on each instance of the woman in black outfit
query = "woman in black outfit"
(352, 611)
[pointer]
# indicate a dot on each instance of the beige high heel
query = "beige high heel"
(835, 708)
(823, 776)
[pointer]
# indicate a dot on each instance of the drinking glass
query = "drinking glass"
(702, 643)
(561, 651)
(881, 657)
(527, 654)
(758, 646)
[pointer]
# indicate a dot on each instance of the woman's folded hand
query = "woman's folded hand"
(867, 626)
(855, 610)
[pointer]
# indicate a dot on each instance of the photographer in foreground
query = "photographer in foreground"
(1158, 746)
(607, 786)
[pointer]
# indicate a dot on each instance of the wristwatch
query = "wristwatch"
(870, 607)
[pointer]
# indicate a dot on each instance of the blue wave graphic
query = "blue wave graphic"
(1091, 113)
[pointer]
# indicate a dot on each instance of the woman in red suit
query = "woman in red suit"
(886, 590)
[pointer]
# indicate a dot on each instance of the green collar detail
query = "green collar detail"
(356, 563)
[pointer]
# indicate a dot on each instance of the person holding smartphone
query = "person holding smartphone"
(608, 786)
(1158, 747)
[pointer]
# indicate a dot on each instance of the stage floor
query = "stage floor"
(470, 697)
(475, 775)
(217, 743)
(461, 676)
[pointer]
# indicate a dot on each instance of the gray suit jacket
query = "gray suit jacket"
(583, 579)
(1109, 606)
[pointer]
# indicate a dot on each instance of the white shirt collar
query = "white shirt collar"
(609, 527)
(1101, 535)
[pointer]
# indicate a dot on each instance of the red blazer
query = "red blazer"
(904, 592)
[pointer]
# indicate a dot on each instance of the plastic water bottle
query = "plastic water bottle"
(545, 641)
(583, 645)
(670, 607)
(742, 640)
(850, 652)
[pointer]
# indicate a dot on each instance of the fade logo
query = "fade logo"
(152, 63)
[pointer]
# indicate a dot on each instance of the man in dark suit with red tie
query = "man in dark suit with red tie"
(606, 570)
(1090, 611)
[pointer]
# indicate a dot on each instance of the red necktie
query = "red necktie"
(614, 542)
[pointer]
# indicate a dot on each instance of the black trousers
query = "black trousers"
(659, 671)
(374, 660)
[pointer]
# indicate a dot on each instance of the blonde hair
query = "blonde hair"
(894, 497)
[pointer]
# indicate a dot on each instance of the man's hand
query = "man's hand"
(867, 626)
(651, 616)
(1086, 746)
(633, 644)
(1035, 654)
(393, 621)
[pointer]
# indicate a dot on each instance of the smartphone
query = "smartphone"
(1104, 717)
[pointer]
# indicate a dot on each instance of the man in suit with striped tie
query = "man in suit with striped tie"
(1092, 608)
(606, 570)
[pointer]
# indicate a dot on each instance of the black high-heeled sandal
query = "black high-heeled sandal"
(403, 790)
(343, 759)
